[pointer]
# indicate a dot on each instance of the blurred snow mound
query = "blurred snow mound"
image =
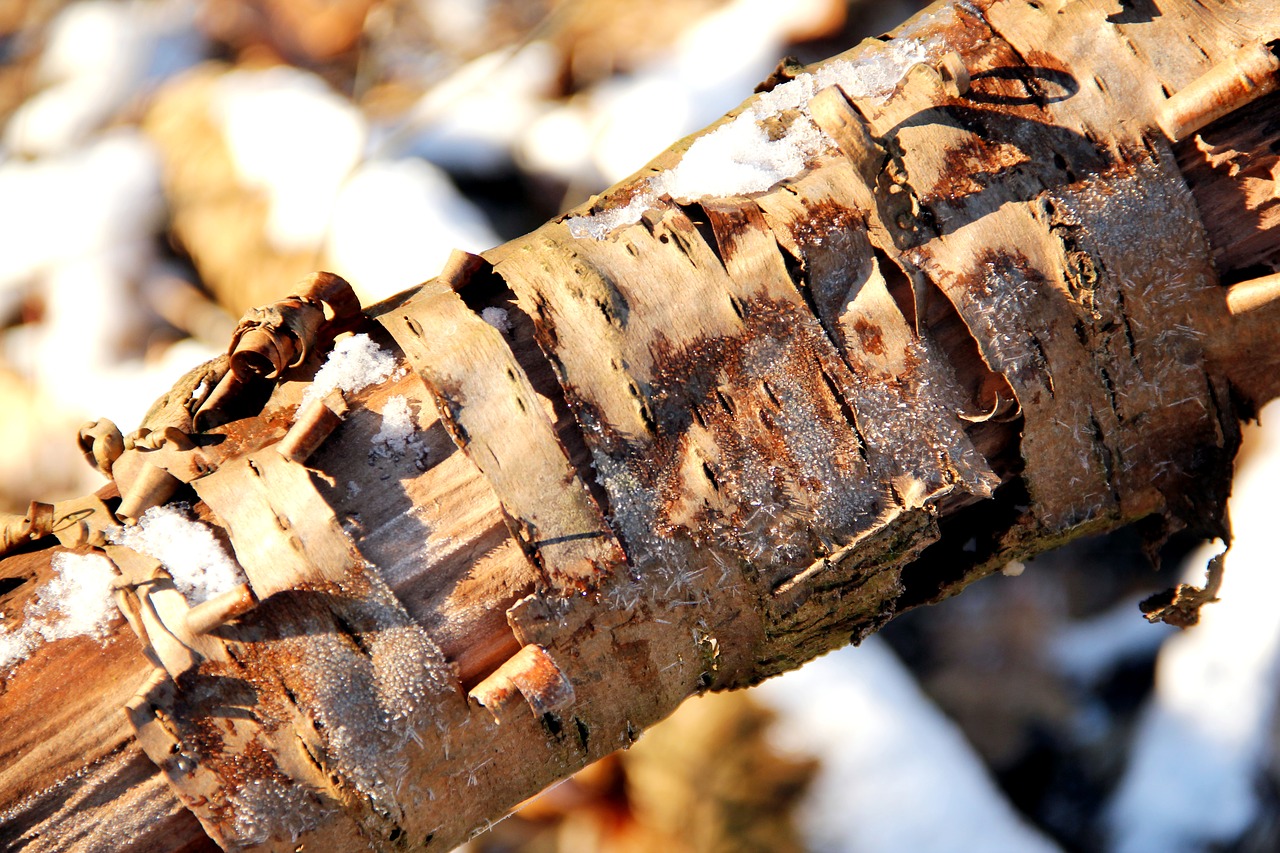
(896, 775)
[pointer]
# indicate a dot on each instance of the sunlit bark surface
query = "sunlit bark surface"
(944, 302)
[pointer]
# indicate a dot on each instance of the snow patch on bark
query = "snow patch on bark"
(77, 602)
(745, 155)
(200, 567)
(398, 434)
(354, 364)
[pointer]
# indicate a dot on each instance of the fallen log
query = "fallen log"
(943, 302)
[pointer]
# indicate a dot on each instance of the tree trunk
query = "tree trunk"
(939, 304)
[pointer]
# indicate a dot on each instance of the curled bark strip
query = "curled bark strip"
(768, 381)
(268, 341)
(17, 530)
(208, 615)
(154, 464)
(279, 336)
(313, 423)
(1254, 295)
(350, 695)
(954, 74)
(151, 487)
(101, 442)
(156, 611)
(82, 522)
(213, 410)
(259, 497)
(840, 120)
(530, 673)
(178, 407)
(1241, 79)
(495, 416)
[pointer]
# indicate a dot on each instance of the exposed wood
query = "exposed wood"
(726, 432)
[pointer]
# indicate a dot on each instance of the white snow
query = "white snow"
(385, 224)
(85, 259)
(97, 57)
(471, 120)
(394, 224)
(1192, 779)
(295, 139)
(619, 125)
(115, 185)
(741, 157)
(458, 23)
(600, 225)
(498, 318)
(398, 433)
(16, 646)
(896, 775)
(355, 363)
(200, 567)
(1086, 651)
(76, 602)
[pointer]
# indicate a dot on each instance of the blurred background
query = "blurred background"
(165, 164)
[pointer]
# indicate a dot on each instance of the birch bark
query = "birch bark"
(940, 303)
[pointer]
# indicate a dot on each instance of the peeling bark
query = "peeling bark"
(725, 433)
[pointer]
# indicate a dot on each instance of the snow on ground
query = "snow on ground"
(80, 231)
(394, 224)
(1192, 776)
(470, 121)
(99, 55)
(614, 129)
(896, 775)
(385, 223)
(294, 138)
(1088, 650)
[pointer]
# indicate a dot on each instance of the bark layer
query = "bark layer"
(726, 432)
